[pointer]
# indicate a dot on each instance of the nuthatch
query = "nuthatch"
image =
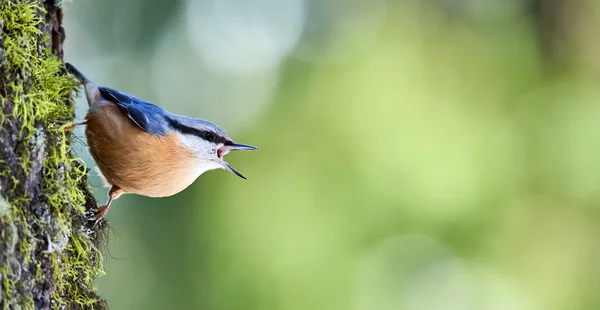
(143, 149)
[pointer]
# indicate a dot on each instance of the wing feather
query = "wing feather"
(149, 117)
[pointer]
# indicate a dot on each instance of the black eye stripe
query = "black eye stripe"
(204, 134)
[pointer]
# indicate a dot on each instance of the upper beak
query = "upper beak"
(240, 147)
(234, 147)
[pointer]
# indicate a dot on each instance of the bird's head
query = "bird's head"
(207, 142)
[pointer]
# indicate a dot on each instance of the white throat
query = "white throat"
(204, 165)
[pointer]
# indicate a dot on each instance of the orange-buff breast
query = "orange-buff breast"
(134, 160)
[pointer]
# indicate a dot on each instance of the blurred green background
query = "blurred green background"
(425, 155)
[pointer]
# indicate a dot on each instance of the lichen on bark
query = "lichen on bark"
(49, 253)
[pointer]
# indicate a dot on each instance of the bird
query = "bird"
(141, 148)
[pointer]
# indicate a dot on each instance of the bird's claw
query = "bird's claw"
(71, 125)
(97, 214)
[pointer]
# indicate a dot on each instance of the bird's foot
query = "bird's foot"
(71, 125)
(98, 214)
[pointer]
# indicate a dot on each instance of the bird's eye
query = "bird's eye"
(209, 136)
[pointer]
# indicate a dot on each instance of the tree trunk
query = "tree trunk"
(49, 253)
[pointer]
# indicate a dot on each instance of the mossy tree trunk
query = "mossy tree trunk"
(49, 253)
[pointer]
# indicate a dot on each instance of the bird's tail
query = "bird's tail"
(82, 78)
(91, 90)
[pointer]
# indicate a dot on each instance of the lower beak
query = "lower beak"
(230, 169)
(235, 147)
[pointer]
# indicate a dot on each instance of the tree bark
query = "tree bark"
(49, 253)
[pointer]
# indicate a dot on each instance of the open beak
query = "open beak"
(223, 150)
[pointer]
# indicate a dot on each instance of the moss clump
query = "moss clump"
(54, 241)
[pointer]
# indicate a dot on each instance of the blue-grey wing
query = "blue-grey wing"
(146, 115)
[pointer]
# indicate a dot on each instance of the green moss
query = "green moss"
(25, 247)
(28, 302)
(45, 97)
(7, 283)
